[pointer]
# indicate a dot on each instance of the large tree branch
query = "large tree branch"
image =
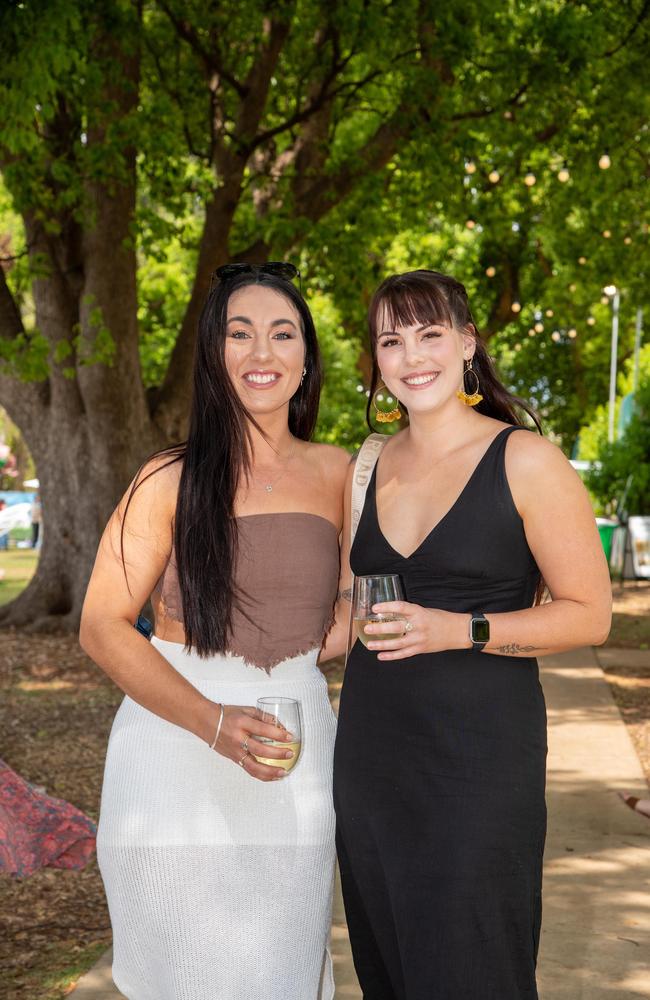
(111, 384)
(638, 21)
(258, 80)
(487, 110)
(11, 324)
(177, 97)
(314, 195)
(210, 58)
(324, 93)
(170, 404)
(501, 312)
(322, 87)
(321, 194)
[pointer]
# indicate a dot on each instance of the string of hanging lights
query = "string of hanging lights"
(563, 175)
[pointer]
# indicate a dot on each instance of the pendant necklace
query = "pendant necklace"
(268, 487)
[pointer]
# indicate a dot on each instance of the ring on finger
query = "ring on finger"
(242, 760)
(408, 627)
(244, 745)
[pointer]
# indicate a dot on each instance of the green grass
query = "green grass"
(69, 968)
(19, 566)
(54, 980)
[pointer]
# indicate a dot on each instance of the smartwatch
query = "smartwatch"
(144, 626)
(479, 631)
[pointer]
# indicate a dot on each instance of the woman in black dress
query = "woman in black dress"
(441, 746)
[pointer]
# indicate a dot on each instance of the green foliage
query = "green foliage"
(479, 95)
(164, 280)
(98, 345)
(622, 468)
(341, 418)
(27, 357)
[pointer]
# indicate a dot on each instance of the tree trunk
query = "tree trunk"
(87, 434)
(87, 426)
(71, 464)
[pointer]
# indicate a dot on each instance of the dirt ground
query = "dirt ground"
(630, 685)
(56, 710)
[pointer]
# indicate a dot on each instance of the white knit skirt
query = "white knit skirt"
(219, 886)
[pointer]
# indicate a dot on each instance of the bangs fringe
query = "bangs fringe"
(405, 300)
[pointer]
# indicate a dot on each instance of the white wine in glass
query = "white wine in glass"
(281, 712)
(371, 590)
(360, 624)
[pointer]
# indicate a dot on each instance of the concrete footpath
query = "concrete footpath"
(596, 930)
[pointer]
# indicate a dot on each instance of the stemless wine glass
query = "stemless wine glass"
(281, 712)
(370, 590)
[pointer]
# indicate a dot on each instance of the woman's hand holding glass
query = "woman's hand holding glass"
(239, 741)
(428, 630)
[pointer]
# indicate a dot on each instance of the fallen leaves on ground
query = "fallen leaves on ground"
(631, 618)
(630, 684)
(56, 710)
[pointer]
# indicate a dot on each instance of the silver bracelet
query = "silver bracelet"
(216, 736)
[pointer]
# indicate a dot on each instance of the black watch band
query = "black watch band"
(479, 631)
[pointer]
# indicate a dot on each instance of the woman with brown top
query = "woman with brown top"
(218, 868)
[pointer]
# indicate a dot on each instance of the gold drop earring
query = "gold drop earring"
(385, 416)
(474, 397)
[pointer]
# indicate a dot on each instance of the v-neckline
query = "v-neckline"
(446, 514)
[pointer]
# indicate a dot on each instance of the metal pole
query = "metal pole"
(612, 366)
(637, 347)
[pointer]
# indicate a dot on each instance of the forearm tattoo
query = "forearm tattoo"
(344, 595)
(513, 649)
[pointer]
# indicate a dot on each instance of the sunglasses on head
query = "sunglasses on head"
(278, 268)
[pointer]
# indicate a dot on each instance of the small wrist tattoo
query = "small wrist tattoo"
(344, 595)
(513, 648)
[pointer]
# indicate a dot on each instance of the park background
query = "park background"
(143, 144)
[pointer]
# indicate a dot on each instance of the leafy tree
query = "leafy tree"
(145, 143)
(621, 468)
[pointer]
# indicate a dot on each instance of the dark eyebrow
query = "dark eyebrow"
(283, 322)
(425, 326)
(276, 322)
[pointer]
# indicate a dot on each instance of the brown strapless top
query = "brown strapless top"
(286, 578)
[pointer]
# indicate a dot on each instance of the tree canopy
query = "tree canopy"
(145, 143)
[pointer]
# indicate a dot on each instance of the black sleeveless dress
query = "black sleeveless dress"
(439, 770)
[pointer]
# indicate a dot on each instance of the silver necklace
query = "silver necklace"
(269, 486)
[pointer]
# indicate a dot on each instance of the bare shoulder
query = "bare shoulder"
(155, 485)
(166, 467)
(333, 461)
(538, 469)
(533, 454)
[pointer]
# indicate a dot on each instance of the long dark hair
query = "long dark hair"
(431, 297)
(217, 451)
